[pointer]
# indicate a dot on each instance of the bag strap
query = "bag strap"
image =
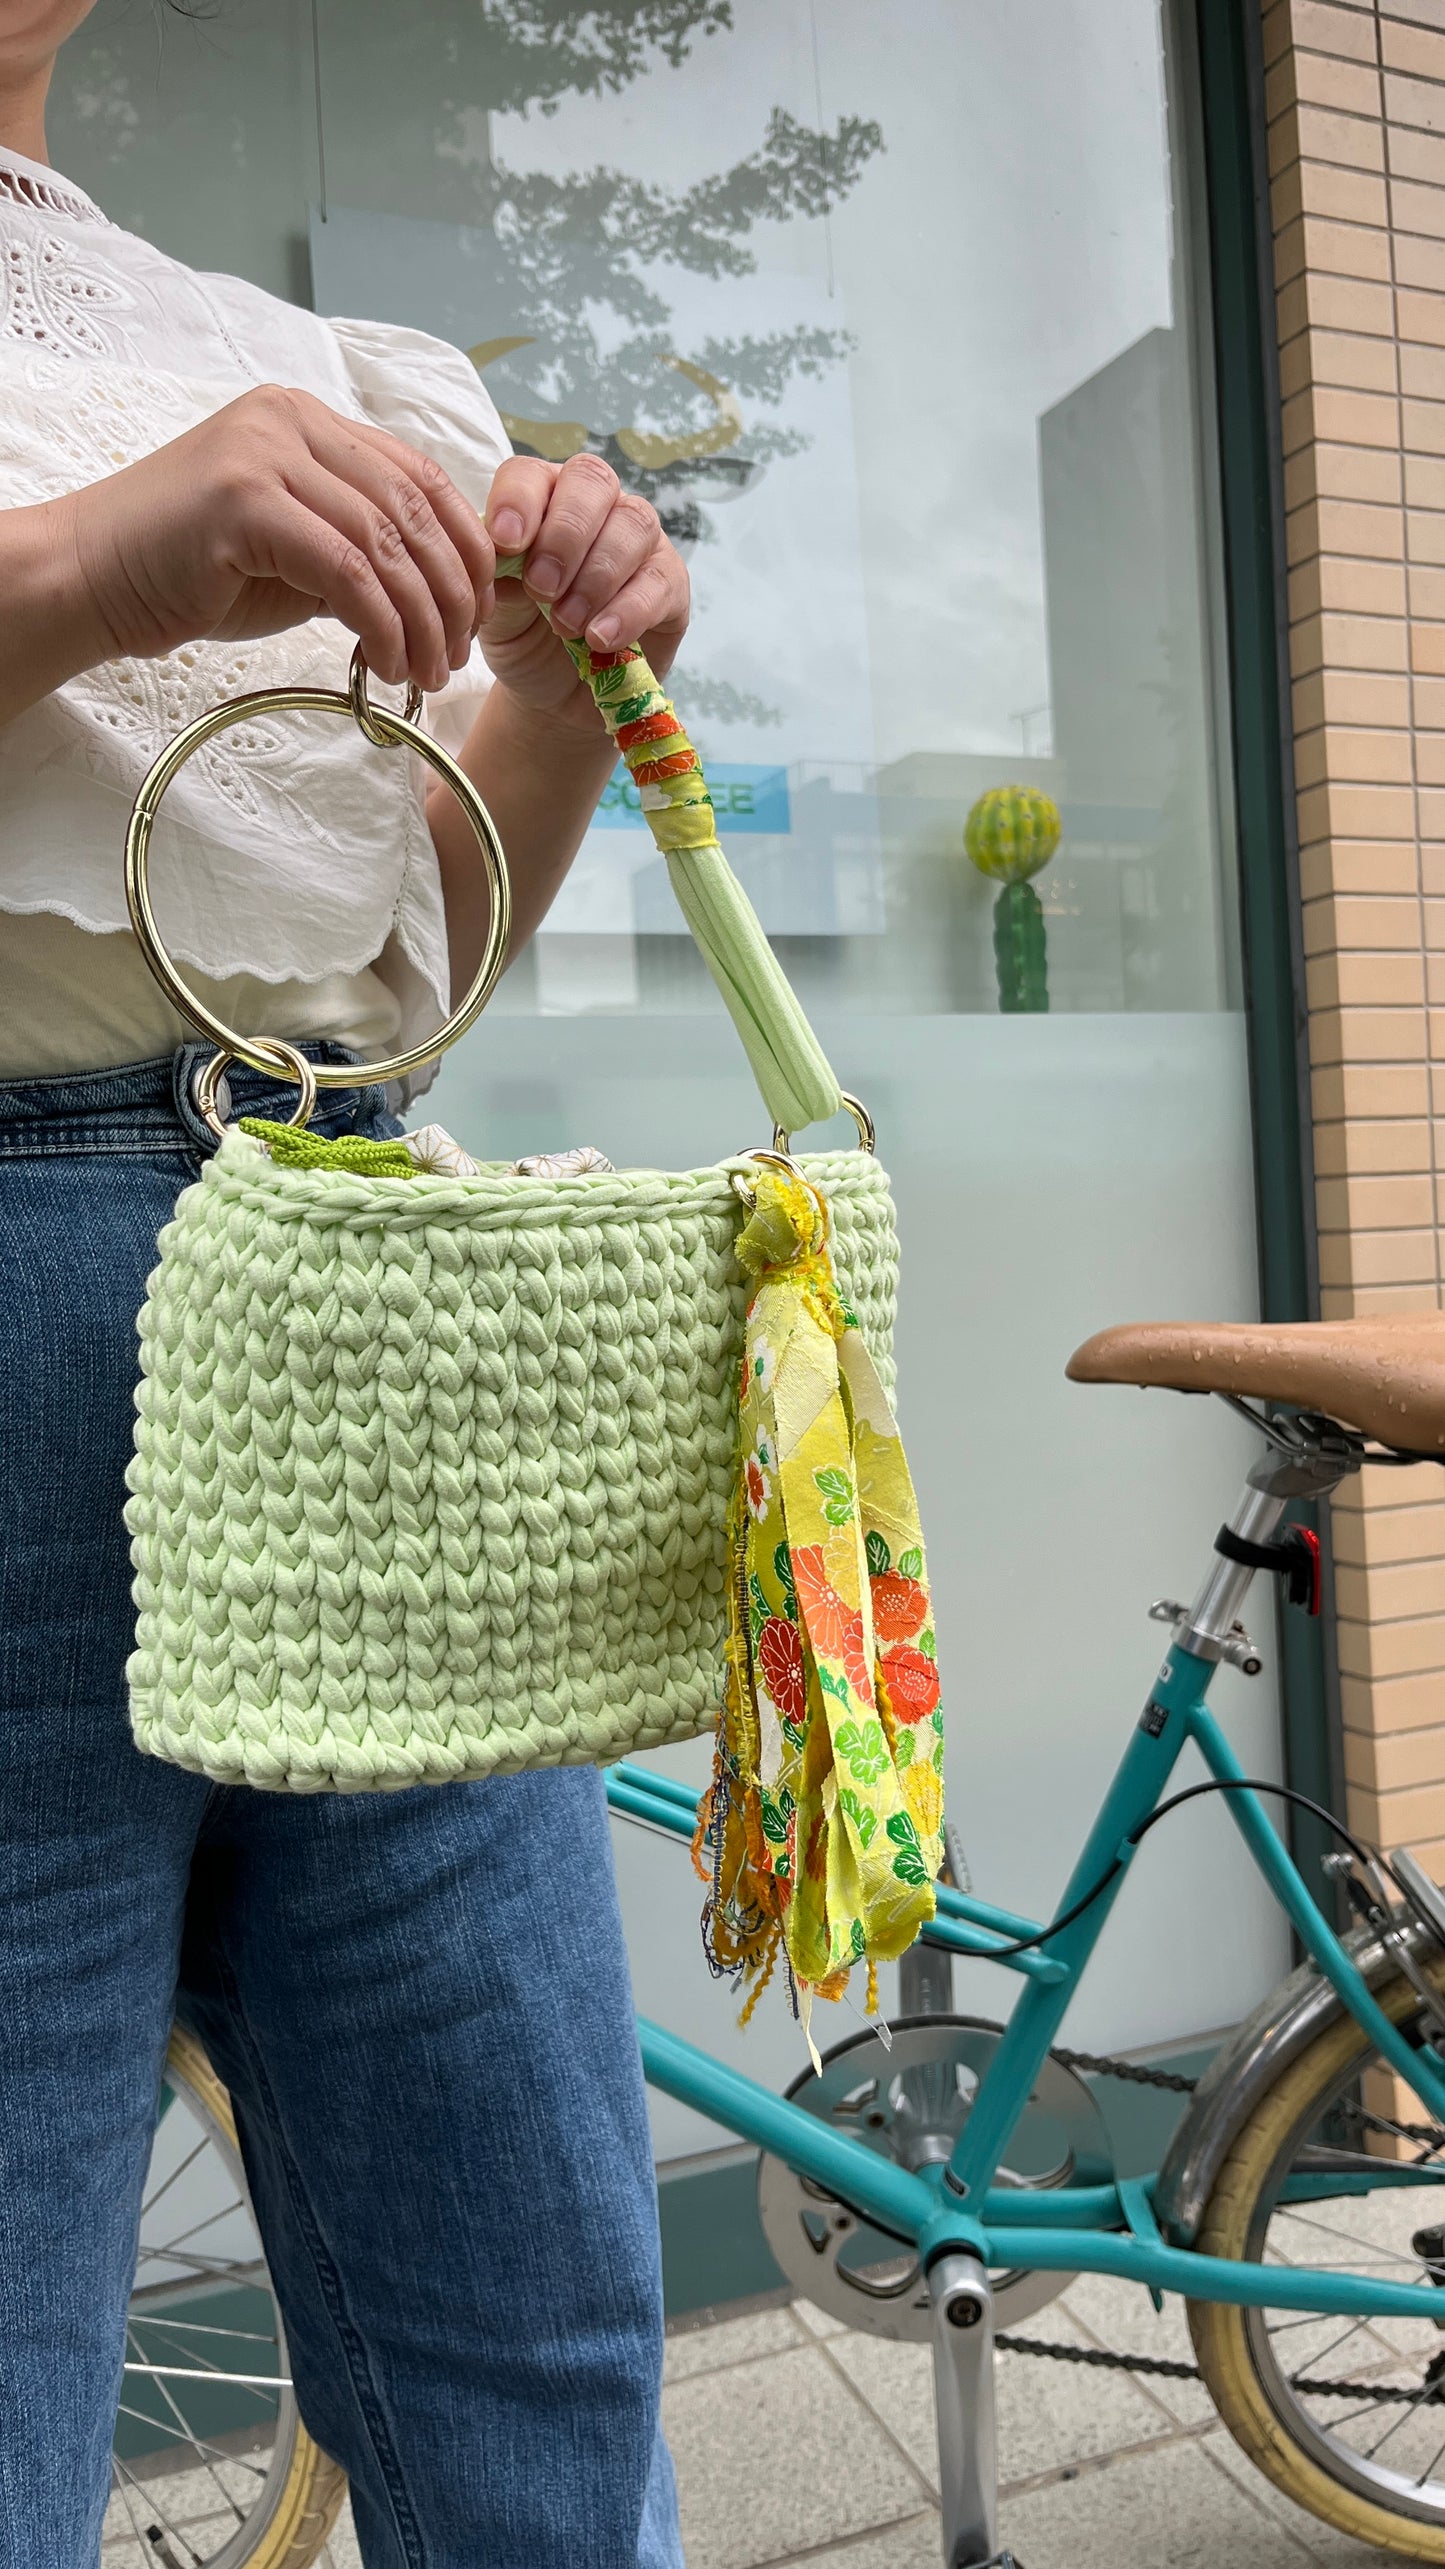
(789, 1064)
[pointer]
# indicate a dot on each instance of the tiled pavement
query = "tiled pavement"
(798, 2442)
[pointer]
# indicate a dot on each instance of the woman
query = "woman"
(429, 2042)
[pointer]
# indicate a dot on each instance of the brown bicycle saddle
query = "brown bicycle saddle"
(1385, 1377)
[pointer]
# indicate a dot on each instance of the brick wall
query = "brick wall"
(1355, 97)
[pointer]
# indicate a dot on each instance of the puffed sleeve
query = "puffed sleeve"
(425, 391)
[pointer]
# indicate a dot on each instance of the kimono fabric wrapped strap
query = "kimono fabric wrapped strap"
(822, 1831)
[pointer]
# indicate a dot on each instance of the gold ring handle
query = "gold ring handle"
(395, 731)
(867, 1136)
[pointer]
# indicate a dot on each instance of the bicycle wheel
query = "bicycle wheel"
(212, 2467)
(1368, 2459)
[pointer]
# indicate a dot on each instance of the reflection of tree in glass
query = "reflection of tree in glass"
(604, 369)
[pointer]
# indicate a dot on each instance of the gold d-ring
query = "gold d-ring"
(286, 1060)
(363, 709)
(394, 731)
(867, 1137)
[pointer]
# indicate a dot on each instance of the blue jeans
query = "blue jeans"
(419, 2001)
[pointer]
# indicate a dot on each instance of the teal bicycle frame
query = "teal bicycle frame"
(1100, 2229)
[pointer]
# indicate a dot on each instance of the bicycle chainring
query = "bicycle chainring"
(910, 2104)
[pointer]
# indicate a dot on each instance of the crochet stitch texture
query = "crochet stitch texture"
(431, 1480)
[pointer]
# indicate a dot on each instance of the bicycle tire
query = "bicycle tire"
(1305, 2457)
(301, 2513)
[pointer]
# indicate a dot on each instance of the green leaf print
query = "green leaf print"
(776, 1815)
(910, 1562)
(783, 1573)
(926, 1642)
(833, 1685)
(936, 1717)
(839, 1495)
(864, 1820)
(908, 1864)
(865, 1751)
(879, 1557)
(903, 1753)
(860, 1941)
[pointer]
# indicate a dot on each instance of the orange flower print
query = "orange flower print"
(823, 1609)
(758, 1480)
(780, 1658)
(912, 1683)
(815, 1862)
(855, 1661)
(900, 1606)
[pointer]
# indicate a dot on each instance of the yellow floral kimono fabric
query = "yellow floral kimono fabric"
(823, 1825)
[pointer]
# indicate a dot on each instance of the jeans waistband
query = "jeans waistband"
(149, 1107)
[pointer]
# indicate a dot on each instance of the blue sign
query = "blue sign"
(744, 798)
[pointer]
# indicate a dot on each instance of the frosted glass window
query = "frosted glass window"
(898, 316)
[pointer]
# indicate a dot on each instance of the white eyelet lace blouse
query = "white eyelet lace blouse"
(293, 868)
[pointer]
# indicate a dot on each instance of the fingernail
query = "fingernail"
(545, 577)
(507, 528)
(605, 629)
(570, 614)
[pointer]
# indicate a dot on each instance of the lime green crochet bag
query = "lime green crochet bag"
(436, 1467)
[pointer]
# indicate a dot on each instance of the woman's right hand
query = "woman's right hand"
(273, 510)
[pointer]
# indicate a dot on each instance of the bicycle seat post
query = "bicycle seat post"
(1305, 1461)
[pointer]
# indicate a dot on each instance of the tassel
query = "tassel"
(823, 1823)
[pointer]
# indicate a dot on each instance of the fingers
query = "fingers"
(315, 559)
(582, 497)
(374, 532)
(654, 601)
(517, 501)
(416, 509)
(596, 552)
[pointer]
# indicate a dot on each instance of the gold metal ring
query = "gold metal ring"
(363, 710)
(867, 1137)
(396, 731)
(286, 1060)
(775, 1159)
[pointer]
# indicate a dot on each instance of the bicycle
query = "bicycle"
(950, 2174)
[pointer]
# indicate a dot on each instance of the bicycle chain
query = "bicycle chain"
(1169, 2370)
(1103, 2065)
(1100, 2358)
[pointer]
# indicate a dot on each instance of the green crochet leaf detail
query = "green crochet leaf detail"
(292, 1148)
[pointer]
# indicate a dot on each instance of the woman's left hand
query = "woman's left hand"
(597, 555)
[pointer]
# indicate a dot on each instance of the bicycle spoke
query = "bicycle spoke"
(1343, 2340)
(1429, 2471)
(260, 2383)
(154, 2508)
(1427, 2391)
(207, 2465)
(1348, 2238)
(232, 2267)
(203, 2328)
(194, 2232)
(187, 2162)
(233, 2461)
